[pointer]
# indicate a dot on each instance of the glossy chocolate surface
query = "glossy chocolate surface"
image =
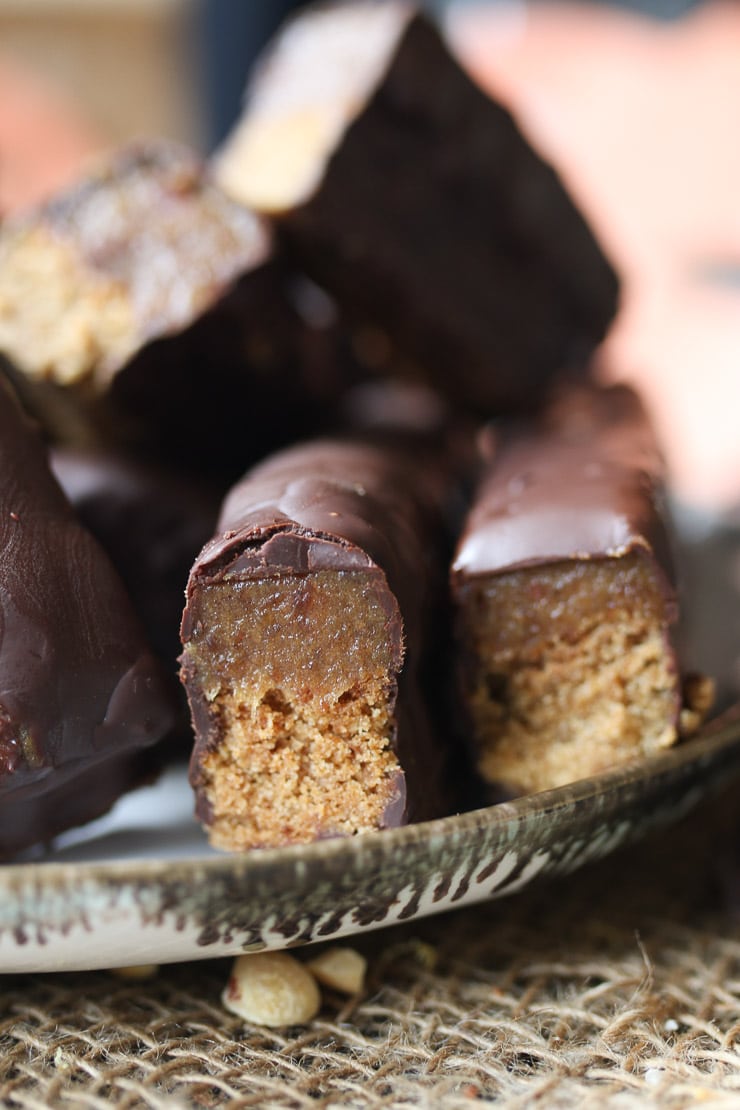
(346, 508)
(79, 687)
(565, 599)
(583, 482)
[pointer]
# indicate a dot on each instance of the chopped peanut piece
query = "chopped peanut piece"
(341, 969)
(698, 694)
(271, 988)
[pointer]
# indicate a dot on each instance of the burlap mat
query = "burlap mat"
(618, 986)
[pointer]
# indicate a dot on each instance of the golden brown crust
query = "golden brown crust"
(299, 676)
(570, 671)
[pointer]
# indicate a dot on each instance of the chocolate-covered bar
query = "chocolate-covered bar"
(417, 202)
(565, 599)
(151, 524)
(81, 694)
(308, 631)
(159, 302)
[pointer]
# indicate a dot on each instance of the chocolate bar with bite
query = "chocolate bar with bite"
(81, 694)
(565, 599)
(149, 296)
(308, 635)
(417, 202)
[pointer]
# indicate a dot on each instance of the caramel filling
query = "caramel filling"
(570, 671)
(300, 677)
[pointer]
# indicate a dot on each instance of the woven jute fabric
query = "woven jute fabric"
(618, 986)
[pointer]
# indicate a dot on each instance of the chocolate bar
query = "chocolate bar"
(81, 694)
(565, 599)
(151, 296)
(150, 523)
(307, 638)
(416, 201)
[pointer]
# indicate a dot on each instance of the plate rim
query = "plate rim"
(78, 915)
(717, 735)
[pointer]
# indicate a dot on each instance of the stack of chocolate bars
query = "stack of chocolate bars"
(367, 331)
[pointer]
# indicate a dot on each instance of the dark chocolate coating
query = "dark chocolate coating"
(246, 377)
(436, 222)
(214, 339)
(239, 352)
(343, 506)
(32, 820)
(79, 687)
(567, 534)
(583, 482)
(151, 524)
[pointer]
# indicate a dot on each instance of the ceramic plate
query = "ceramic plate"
(142, 886)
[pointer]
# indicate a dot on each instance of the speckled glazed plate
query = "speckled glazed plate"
(142, 885)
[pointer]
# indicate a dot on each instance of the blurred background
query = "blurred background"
(178, 66)
(637, 104)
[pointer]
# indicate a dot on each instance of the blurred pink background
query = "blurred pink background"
(642, 118)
